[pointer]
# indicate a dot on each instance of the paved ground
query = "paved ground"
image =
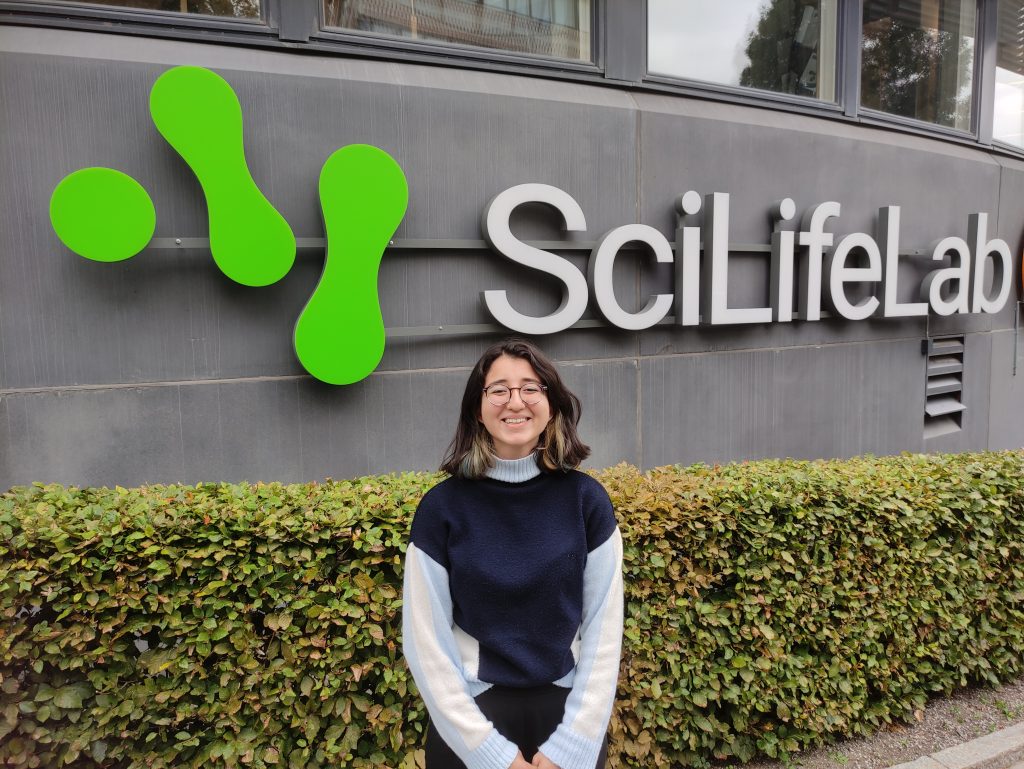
(945, 723)
(997, 750)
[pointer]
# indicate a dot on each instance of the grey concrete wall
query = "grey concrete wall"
(161, 369)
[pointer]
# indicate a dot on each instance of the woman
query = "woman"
(512, 618)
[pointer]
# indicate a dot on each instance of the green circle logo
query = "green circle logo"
(339, 337)
(102, 214)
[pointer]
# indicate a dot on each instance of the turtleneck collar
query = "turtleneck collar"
(514, 470)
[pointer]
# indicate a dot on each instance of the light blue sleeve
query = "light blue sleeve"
(430, 648)
(577, 741)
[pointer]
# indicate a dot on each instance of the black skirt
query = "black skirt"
(527, 717)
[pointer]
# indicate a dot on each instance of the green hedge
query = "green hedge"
(770, 606)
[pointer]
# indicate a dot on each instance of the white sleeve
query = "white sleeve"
(577, 741)
(428, 643)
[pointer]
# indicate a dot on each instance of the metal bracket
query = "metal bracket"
(1016, 334)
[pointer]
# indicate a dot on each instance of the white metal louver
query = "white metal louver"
(944, 385)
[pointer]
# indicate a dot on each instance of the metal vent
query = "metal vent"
(944, 385)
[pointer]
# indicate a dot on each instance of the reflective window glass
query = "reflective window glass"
(557, 28)
(787, 46)
(917, 59)
(238, 9)
(1008, 125)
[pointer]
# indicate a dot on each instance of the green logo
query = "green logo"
(105, 215)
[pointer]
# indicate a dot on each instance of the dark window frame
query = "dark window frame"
(298, 26)
(618, 48)
(847, 106)
(108, 18)
(401, 48)
(692, 86)
(874, 115)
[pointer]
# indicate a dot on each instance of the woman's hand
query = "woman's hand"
(540, 761)
(519, 762)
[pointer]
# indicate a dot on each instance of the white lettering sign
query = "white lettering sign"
(827, 272)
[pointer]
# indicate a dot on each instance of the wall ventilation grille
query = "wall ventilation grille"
(944, 386)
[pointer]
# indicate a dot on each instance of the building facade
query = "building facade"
(736, 123)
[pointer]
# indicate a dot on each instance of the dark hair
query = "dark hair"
(471, 452)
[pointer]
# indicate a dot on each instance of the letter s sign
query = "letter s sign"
(496, 232)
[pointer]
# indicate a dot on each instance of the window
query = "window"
(1008, 125)
(918, 59)
(556, 28)
(238, 9)
(786, 46)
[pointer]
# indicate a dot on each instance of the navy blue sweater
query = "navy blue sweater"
(515, 555)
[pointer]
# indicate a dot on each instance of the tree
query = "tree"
(917, 72)
(783, 49)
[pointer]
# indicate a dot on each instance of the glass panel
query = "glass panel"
(918, 59)
(787, 46)
(566, 12)
(238, 9)
(1008, 125)
(559, 28)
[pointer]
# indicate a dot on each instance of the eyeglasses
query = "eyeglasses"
(530, 394)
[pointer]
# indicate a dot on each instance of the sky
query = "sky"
(700, 40)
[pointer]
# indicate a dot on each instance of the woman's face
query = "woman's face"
(514, 427)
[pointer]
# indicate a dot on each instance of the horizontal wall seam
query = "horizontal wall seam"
(470, 247)
(634, 359)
